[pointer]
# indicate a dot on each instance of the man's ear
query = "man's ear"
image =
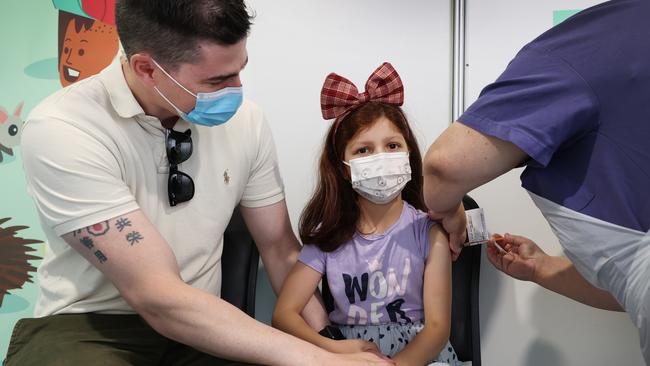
(143, 67)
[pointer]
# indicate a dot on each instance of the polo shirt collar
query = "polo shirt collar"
(120, 94)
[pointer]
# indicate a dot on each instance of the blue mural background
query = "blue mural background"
(30, 71)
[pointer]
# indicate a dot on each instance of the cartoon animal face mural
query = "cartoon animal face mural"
(14, 265)
(10, 129)
(86, 46)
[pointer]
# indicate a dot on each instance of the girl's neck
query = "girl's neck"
(376, 219)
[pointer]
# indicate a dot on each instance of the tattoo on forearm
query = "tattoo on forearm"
(94, 230)
(134, 237)
(98, 229)
(122, 223)
(87, 242)
(100, 256)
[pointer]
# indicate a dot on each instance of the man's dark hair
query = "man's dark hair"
(169, 30)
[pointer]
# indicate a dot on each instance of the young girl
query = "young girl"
(388, 265)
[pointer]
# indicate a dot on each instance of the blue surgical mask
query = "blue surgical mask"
(211, 109)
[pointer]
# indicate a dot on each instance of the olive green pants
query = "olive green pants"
(98, 339)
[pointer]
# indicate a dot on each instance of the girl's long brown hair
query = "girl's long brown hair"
(331, 215)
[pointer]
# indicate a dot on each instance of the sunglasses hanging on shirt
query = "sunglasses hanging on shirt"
(180, 186)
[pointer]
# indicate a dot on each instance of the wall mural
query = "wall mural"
(52, 44)
(10, 127)
(14, 266)
(86, 46)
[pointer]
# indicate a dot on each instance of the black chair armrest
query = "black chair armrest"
(465, 322)
(239, 264)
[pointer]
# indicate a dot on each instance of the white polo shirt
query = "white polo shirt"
(90, 154)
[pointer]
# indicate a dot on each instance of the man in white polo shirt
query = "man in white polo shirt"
(134, 202)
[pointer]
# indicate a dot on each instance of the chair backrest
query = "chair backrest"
(239, 263)
(465, 326)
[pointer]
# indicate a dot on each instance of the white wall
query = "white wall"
(521, 323)
(295, 44)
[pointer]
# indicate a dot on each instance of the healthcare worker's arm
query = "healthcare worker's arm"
(460, 160)
(527, 262)
(147, 275)
(279, 249)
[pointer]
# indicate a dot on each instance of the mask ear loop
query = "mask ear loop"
(174, 80)
(178, 111)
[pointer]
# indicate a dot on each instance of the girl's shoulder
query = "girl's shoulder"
(416, 216)
(421, 225)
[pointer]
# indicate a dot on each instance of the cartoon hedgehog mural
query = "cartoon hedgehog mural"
(10, 128)
(14, 265)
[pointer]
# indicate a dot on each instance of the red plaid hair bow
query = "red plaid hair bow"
(339, 96)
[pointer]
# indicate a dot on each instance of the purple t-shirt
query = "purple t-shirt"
(377, 279)
(577, 101)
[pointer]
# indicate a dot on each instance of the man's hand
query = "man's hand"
(460, 160)
(358, 352)
(455, 224)
(522, 259)
(359, 359)
(354, 346)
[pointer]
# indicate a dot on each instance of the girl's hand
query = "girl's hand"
(522, 259)
(401, 360)
(354, 346)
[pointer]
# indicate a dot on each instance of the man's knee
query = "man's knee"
(82, 339)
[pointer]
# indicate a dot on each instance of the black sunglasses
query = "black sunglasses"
(180, 186)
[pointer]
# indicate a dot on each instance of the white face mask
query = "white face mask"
(380, 177)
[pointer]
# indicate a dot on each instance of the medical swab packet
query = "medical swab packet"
(477, 232)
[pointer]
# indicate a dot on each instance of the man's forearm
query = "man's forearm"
(294, 323)
(209, 324)
(559, 275)
(280, 263)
